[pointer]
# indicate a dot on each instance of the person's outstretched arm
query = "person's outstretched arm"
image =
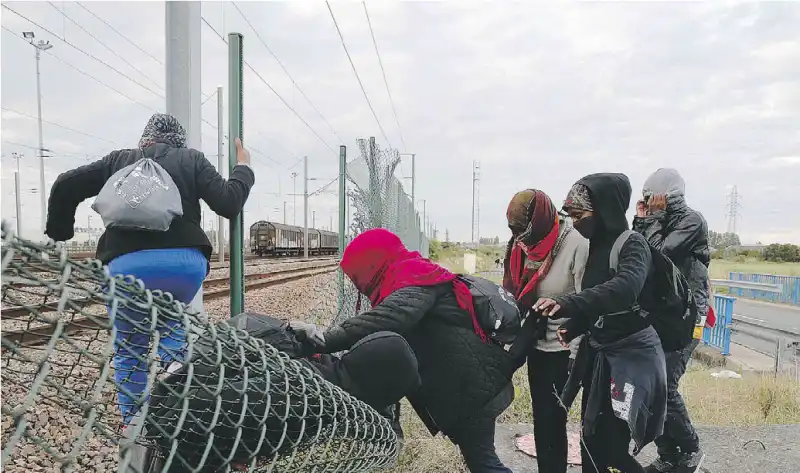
(618, 293)
(226, 198)
(398, 313)
(70, 189)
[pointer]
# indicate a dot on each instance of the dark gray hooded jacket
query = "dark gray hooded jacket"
(680, 232)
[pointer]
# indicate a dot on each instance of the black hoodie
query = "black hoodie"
(603, 307)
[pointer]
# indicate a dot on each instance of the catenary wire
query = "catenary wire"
(358, 78)
(385, 81)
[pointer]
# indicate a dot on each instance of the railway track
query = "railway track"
(215, 264)
(214, 288)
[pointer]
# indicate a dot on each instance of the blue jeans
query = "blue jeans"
(179, 271)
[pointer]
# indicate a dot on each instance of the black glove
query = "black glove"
(60, 233)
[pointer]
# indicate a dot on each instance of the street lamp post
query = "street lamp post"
(294, 198)
(40, 46)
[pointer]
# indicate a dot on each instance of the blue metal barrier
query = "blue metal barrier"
(791, 287)
(720, 335)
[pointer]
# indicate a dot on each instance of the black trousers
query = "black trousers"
(679, 434)
(380, 369)
(547, 375)
(475, 439)
(608, 446)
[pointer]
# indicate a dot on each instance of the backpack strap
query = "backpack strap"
(613, 257)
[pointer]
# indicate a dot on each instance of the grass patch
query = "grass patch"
(752, 400)
(452, 258)
(721, 267)
(755, 399)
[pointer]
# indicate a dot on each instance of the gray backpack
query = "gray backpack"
(140, 196)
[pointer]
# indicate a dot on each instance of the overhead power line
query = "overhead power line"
(103, 44)
(120, 34)
(55, 154)
(285, 103)
(78, 69)
(386, 82)
(58, 125)
(286, 71)
(356, 73)
(82, 51)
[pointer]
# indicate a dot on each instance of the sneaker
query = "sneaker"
(690, 462)
(663, 464)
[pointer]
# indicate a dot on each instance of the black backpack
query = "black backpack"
(495, 308)
(668, 303)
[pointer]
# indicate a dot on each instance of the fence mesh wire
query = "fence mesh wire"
(377, 199)
(233, 403)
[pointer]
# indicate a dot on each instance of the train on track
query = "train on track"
(277, 239)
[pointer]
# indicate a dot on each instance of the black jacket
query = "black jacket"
(681, 233)
(195, 178)
(603, 307)
(461, 375)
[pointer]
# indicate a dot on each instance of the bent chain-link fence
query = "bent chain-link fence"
(235, 403)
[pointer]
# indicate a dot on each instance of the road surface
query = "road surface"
(776, 316)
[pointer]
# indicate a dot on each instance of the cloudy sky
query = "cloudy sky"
(539, 94)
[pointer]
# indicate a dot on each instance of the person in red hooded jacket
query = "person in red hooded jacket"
(466, 378)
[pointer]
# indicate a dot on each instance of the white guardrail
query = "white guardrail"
(774, 288)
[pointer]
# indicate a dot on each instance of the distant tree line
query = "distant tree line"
(723, 240)
(782, 253)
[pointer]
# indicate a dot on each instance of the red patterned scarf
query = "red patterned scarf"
(530, 253)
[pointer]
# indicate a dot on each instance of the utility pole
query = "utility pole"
(733, 209)
(220, 167)
(284, 212)
(313, 219)
(294, 198)
(424, 211)
(17, 196)
(18, 203)
(414, 195)
(305, 206)
(40, 46)
(476, 204)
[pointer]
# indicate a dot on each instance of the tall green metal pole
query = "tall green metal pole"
(236, 130)
(342, 196)
(342, 215)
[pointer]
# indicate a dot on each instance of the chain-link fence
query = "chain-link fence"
(377, 199)
(229, 402)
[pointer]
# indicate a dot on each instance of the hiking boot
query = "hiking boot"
(690, 462)
(663, 464)
(392, 414)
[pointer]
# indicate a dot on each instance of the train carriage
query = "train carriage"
(277, 239)
(330, 242)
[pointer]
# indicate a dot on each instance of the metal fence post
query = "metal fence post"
(779, 343)
(342, 217)
(236, 130)
(220, 166)
(726, 335)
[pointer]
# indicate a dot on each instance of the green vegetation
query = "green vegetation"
(721, 267)
(782, 253)
(452, 256)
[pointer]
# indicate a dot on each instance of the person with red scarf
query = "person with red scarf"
(466, 378)
(544, 258)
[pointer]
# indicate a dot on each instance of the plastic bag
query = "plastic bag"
(140, 196)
